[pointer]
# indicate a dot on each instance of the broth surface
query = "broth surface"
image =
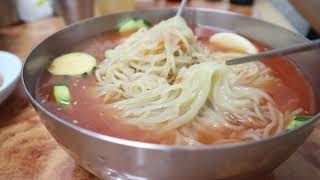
(289, 93)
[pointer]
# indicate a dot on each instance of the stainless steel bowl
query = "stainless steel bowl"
(111, 158)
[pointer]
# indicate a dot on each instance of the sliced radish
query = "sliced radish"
(71, 64)
(234, 42)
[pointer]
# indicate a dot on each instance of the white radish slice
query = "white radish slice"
(234, 42)
(72, 64)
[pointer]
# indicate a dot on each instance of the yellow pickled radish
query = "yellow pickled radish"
(234, 42)
(71, 64)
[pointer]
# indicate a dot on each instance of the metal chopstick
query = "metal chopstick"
(276, 52)
(181, 7)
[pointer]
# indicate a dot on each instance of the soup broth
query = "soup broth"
(290, 91)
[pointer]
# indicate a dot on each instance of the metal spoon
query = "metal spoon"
(276, 52)
(181, 7)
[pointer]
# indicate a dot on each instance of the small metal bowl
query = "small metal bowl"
(111, 158)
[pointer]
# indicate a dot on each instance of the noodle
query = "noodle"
(162, 78)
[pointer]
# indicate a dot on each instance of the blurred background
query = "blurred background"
(302, 15)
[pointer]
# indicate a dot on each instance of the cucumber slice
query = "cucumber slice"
(298, 121)
(72, 64)
(143, 23)
(61, 94)
(294, 124)
(302, 118)
(132, 24)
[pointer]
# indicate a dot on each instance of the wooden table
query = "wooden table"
(27, 150)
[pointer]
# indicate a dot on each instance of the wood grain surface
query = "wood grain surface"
(27, 150)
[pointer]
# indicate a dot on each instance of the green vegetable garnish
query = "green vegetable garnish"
(61, 94)
(132, 24)
(302, 118)
(298, 121)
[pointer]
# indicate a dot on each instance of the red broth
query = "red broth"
(87, 111)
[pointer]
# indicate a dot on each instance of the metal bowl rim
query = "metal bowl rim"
(143, 145)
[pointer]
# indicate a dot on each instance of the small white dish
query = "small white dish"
(10, 70)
